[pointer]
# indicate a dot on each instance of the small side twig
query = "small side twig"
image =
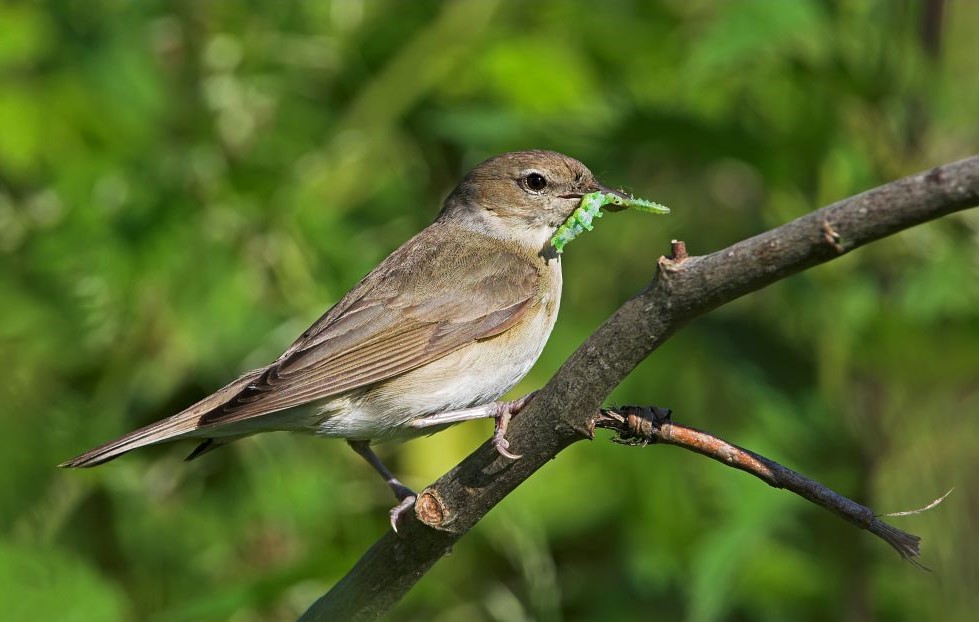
(678, 250)
(642, 425)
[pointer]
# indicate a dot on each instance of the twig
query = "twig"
(644, 425)
(678, 250)
(564, 410)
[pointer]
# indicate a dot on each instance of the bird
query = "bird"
(437, 333)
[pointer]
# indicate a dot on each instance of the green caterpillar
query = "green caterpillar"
(591, 208)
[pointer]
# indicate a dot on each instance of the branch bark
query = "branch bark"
(565, 410)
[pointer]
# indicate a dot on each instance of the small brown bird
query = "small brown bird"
(434, 335)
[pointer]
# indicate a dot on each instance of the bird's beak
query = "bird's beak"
(604, 189)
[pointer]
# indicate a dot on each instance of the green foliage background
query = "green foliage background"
(185, 185)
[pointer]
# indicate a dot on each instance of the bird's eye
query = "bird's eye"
(535, 182)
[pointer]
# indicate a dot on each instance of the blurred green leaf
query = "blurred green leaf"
(38, 584)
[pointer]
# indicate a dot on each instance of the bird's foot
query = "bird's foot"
(504, 412)
(407, 497)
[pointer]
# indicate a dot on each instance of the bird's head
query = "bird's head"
(523, 196)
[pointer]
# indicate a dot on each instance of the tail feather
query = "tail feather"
(181, 425)
(154, 433)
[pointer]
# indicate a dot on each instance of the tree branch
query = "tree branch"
(564, 411)
(637, 425)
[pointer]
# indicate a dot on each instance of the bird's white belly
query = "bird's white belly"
(475, 374)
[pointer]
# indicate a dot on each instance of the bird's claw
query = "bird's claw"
(505, 412)
(406, 503)
(502, 447)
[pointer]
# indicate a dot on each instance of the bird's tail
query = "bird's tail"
(168, 429)
(181, 425)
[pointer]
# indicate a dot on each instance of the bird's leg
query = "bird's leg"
(406, 496)
(502, 412)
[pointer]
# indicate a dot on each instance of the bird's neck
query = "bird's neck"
(531, 240)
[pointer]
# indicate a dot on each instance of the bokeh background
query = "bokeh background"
(185, 186)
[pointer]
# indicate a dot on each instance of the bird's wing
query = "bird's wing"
(420, 304)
